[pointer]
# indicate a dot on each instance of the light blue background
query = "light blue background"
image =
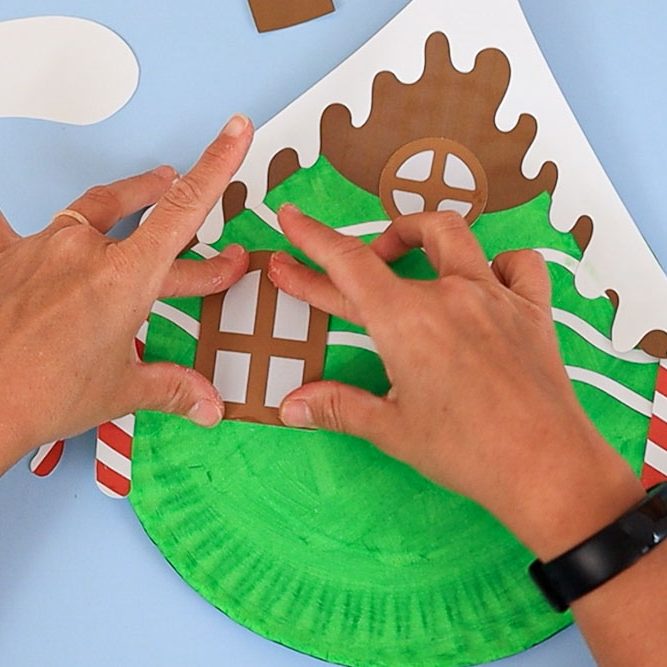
(80, 583)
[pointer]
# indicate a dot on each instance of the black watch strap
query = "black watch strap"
(608, 553)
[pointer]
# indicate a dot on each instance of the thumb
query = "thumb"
(338, 407)
(170, 388)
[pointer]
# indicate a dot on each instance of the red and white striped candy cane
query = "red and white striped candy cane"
(113, 457)
(113, 453)
(113, 460)
(655, 459)
(47, 458)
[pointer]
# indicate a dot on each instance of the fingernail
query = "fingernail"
(283, 258)
(297, 414)
(233, 251)
(206, 413)
(289, 208)
(236, 126)
(166, 172)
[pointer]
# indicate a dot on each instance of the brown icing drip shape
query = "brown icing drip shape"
(654, 342)
(583, 232)
(257, 344)
(443, 103)
(434, 174)
(282, 166)
(233, 201)
(277, 14)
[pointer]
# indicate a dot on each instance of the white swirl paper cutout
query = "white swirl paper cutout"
(270, 217)
(349, 339)
(64, 69)
(178, 318)
(593, 337)
(614, 389)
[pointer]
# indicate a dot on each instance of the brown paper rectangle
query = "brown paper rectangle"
(277, 14)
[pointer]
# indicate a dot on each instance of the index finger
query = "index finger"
(182, 210)
(355, 270)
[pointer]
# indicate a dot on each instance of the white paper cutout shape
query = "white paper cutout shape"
(292, 318)
(408, 202)
(285, 375)
(457, 174)
(64, 69)
(418, 167)
(460, 207)
(231, 375)
(239, 309)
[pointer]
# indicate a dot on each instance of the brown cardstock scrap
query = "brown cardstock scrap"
(261, 345)
(277, 14)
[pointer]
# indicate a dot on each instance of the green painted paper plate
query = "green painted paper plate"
(320, 542)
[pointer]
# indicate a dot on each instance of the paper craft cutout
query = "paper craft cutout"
(655, 459)
(438, 175)
(113, 451)
(277, 14)
(257, 344)
(64, 69)
(46, 458)
(113, 457)
(402, 114)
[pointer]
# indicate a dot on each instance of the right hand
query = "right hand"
(480, 401)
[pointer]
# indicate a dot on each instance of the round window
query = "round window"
(434, 174)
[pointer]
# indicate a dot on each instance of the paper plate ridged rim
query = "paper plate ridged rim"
(331, 593)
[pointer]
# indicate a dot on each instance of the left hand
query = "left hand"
(72, 300)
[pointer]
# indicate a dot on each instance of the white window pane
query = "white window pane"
(231, 375)
(460, 207)
(418, 167)
(239, 309)
(458, 174)
(292, 318)
(409, 202)
(285, 375)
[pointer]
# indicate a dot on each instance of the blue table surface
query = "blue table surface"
(80, 583)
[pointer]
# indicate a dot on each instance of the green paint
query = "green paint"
(321, 542)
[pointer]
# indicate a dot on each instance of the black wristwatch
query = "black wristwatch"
(608, 553)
